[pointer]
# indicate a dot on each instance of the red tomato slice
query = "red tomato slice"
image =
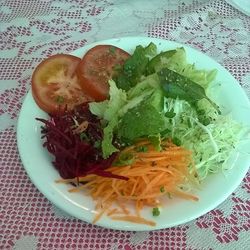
(97, 67)
(55, 84)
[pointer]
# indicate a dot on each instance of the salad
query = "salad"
(132, 129)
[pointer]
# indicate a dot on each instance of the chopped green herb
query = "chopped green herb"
(169, 195)
(97, 144)
(59, 99)
(162, 189)
(156, 211)
(153, 163)
(176, 141)
(124, 159)
(170, 113)
(112, 49)
(205, 121)
(201, 112)
(165, 132)
(166, 103)
(142, 148)
(83, 136)
(117, 67)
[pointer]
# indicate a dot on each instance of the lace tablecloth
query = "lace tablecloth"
(32, 30)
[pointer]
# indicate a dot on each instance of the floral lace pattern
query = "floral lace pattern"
(33, 30)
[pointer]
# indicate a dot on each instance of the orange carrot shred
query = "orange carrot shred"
(151, 176)
(134, 219)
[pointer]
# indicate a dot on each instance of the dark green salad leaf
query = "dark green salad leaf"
(135, 66)
(179, 86)
(143, 120)
(156, 62)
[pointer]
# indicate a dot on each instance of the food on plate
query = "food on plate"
(150, 175)
(55, 84)
(74, 138)
(152, 133)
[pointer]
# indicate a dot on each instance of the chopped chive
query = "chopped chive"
(206, 121)
(142, 148)
(112, 49)
(156, 211)
(170, 113)
(59, 99)
(201, 112)
(166, 104)
(117, 67)
(176, 141)
(124, 159)
(165, 132)
(153, 163)
(83, 136)
(97, 144)
(162, 189)
(169, 195)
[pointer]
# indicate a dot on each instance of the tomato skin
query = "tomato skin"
(97, 67)
(55, 85)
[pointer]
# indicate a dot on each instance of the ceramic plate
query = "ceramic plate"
(216, 188)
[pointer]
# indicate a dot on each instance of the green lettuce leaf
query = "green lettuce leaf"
(109, 108)
(176, 60)
(159, 61)
(149, 82)
(135, 66)
(107, 143)
(98, 108)
(112, 110)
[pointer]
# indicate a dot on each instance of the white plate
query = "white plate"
(214, 190)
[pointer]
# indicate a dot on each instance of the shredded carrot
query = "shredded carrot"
(134, 219)
(99, 215)
(113, 211)
(123, 207)
(152, 176)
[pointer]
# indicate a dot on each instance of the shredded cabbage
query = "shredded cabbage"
(211, 144)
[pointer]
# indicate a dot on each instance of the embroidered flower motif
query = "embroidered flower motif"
(220, 38)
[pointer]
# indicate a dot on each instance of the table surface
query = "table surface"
(33, 30)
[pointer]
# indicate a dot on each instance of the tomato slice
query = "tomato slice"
(98, 66)
(55, 84)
